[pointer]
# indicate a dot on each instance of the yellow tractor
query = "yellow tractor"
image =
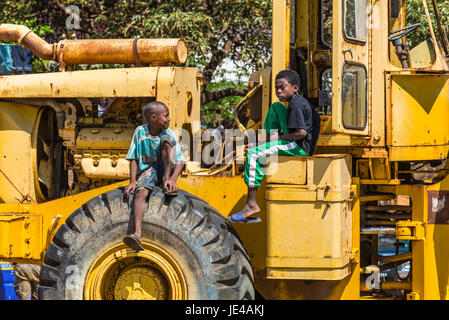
(377, 178)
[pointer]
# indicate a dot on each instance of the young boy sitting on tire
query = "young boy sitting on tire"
(155, 158)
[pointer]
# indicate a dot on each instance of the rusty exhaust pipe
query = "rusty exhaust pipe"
(99, 51)
(25, 37)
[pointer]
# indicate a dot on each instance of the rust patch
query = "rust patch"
(438, 207)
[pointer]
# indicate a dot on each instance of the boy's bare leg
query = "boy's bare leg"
(250, 206)
(167, 155)
(139, 210)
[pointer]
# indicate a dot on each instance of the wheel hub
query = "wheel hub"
(124, 274)
(140, 283)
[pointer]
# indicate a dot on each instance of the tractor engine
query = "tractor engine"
(97, 141)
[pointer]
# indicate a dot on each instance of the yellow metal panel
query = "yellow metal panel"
(26, 228)
(423, 55)
(179, 89)
(377, 59)
(107, 138)
(287, 193)
(302, 23)
(417, 153)
(435, 263)
(316, 263)
(329, 171)
(16, 125)
(288, 170)
(263, 77)
(104, 168)
(309, 236)
(419, 112)
(306, 234)
(336, 273)
(131, 82)
(21, 236)
(281, 40)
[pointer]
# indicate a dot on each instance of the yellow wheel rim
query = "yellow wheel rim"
(124, 274)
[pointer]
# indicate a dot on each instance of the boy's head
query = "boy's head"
(287, 84)
(157, 114)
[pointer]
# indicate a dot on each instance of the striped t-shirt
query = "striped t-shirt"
(144, 147)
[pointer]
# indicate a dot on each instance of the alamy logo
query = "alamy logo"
(373, 280)
(73, 280)
(73, 20)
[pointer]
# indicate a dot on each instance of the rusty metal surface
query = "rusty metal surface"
(121, 51)
(131, 82)
(438, 207)
(98, 51)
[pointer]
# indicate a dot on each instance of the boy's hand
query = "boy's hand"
(171, 186)
(130, 188)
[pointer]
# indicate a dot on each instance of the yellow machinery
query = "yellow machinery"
(378, 176)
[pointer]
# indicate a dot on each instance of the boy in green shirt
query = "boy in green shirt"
(296, 124)
(155, 157)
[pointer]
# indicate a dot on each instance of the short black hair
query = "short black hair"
(153, 107)
(291, 76)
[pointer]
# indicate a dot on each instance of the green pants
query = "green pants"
(276, 119)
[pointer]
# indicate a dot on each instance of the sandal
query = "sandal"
(239, 218)
(133, 242)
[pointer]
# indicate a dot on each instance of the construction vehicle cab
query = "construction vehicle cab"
(378, 175)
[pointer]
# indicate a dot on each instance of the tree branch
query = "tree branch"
(219, 94)
(218, 56)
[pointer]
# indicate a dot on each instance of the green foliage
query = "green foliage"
(223, 108)
(415, 13)
(214, 30)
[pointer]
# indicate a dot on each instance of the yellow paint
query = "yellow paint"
(310, 207)
(309, 227)
(163, 280)
(26, 225)
(416, 114)
(17, 160)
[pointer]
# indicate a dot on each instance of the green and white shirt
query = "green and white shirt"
(145, 147)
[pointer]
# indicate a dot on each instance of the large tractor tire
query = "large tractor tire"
(191, 252)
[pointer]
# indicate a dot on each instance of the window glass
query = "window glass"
(326, 22)
(354, 100)
(293, 22)
(325, 94)
(356, 19)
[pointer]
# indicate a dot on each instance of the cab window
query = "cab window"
(325, 93)
(326, 22)
(355, 20)
(354, 96)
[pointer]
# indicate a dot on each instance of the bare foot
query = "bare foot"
(250, 209)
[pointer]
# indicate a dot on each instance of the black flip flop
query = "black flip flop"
(133, 242)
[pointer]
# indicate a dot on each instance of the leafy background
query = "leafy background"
(415, 13)
(227, 39)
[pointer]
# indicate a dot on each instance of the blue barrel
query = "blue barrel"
(7, 282)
